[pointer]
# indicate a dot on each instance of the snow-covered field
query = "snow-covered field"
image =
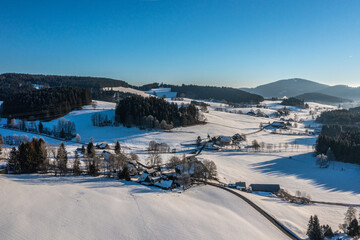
(128, 90)
(44, 207)
(112, 210)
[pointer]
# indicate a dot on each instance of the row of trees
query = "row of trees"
(154, 112)
(350, 226)
(65, 129)
(101, 120)
(33, 156)
(45, 103)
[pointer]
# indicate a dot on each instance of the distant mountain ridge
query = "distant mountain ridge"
(297, 86)
(287, 87)
(321, 98)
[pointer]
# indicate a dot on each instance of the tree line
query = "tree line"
(152, 112)
(294, 102)
(344, 141)
(342, 117)
(45, 103)
(230, 95)
(341, 134)
(17, 79)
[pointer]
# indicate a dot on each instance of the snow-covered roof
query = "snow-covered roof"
(164, 183)
(224, 138)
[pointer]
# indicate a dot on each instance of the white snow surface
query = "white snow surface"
(46, 207)
(128, 90)
(334, 184)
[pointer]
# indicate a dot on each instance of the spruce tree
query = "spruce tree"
(327, 231)
(83, 149)
(76, 164)
(90, 150)
(62, 159)
(124, 173)
(117, 147)
(13, 162)
(353, 228)
(314, 229)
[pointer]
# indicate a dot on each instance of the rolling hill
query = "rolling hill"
(287, 87)
(296, 87)
(321, 98)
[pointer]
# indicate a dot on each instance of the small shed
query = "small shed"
(265, 187)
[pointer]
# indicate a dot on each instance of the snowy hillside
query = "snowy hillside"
(88, 208)
(133, 211)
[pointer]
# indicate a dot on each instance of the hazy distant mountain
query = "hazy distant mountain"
(297, 86)
(288, 87)
(343, 91)
(321, 98)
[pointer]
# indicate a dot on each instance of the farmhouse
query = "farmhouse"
(238, 185)
(223, 140)
(278, 125)
(265, 187)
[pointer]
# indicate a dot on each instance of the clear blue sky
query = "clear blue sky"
(226, 42)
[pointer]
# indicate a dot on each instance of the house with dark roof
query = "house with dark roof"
(265, 187)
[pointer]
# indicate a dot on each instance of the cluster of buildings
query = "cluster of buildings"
(171, 176)
(162, 92)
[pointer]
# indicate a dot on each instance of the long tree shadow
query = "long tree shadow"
(338, 177)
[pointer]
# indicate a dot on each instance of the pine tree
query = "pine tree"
(93, 166)
(90, 150)
(62, 159)
(41, 127)
(83, 149)
(350, 215)
(124, 173)
(42, 155)
(13, 162)
(117, 147)
(353, 228)
(314, 229)
(76, 164)
(327, 231)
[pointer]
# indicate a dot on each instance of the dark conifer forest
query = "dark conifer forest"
(45, 103)
(340, 133)
(155, 112)
(294, 102)
(19, 79)
(230, 95)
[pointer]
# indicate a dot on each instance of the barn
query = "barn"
(265, 187)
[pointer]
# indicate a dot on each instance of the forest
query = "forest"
(340, 133)
(344, 141)
(230, 95)
(46, 103)
(343, 117)
(57, 81)
(155, 112)
(294, 102)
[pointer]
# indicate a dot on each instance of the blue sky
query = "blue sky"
(226, 42)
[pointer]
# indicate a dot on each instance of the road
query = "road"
(270, 218)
